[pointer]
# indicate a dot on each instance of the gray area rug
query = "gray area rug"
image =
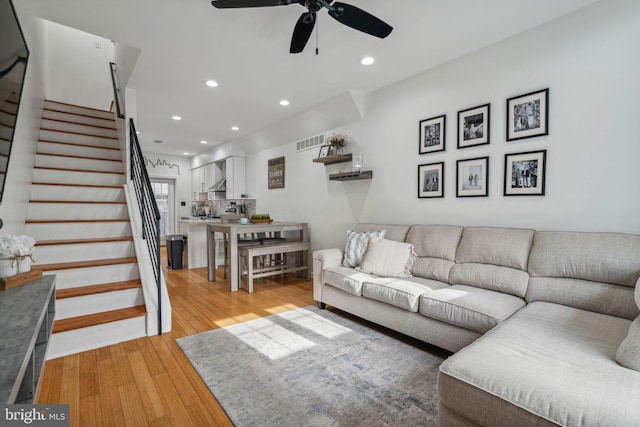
(311, 367)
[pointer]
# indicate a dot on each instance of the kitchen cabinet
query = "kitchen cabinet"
(236, 178)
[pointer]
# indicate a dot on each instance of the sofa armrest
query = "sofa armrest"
(323, 259)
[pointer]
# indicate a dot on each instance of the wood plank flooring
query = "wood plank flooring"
(149, 381)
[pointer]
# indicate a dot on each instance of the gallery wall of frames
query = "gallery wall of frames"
(527, 116)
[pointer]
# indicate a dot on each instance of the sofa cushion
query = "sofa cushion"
(628, 354)
(357, 245)
(472, 308)
(347, 279)
(432, 268)
(597, 257)
(435, 241)
(508, 247)
(491, 277)
(556, 363)
(403, 293)
(387, 258)
(394, 232)
(599, 297)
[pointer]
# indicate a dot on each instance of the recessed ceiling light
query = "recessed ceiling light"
(211, 83)
(284, 102)
(137, 132)
(235, 128)
(186, 154)
(203, 142)
(367, 60)
(176, 117)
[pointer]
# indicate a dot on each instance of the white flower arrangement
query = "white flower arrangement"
(12, 245)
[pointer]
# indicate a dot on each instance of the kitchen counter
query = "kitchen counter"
(195, 229)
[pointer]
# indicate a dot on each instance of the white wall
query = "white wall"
(165, 166)
(590, 62)
(78, 70)
(13, 210)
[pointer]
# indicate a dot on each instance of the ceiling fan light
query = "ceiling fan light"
(367, 60)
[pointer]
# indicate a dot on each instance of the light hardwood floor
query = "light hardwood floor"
(149, 381)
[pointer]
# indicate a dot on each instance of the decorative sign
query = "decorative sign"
(276, 173)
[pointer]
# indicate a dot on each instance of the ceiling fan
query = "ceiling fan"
(346, 14)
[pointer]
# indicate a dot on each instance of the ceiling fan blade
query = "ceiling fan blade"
(302, 32)
(229, 4)
(360, 20)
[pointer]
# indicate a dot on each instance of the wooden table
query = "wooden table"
(232, 229)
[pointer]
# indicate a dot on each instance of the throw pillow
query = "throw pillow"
(357, 245)
(388, 258)
(628, 354)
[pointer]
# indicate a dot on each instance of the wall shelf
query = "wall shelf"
(332, 160)
(351, 176)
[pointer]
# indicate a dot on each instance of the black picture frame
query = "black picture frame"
(324, 151)
(472, 178)
(528, 115)
(433, 134)
(524, 173)
(474, 126)
(431, 180)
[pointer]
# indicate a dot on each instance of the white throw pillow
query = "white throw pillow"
(357, 245)
(388, 258)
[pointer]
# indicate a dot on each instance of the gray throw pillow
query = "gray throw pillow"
(628, 354)
(357, 245)
(388, 258)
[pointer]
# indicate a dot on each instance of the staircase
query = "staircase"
(79, 218)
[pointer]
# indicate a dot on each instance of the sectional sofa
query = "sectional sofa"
(544, 325)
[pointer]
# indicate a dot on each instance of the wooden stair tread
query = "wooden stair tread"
(74, 105)
(79, 133)
(81, 124)
(64, 325)
(76, 185)
(97, 289)
(85, 264)
(102, 159)
(82, 241)
(97, 202)
(78, 144)
(66, 221)
(77, 170)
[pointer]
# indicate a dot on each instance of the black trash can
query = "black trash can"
(176, 251)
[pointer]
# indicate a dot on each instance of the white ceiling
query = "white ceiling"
(184, 43)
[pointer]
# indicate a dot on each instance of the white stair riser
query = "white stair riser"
(74, 277)
(52, 254)
(88, 194)
(77, 230)
(80, 119)
(48, 135)
(81, 164)
(76, 341)
(10, 107)
(78, 128)
(96, 303)
(78, 150)
(7, 120)
(72, 177)
(65, 211)
(50, 105)
(6, 132)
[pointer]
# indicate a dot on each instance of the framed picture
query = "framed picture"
(528, 115)
(473, 177)
(524, 173)
(431, 180)
(432, 134)
(324, 151)
(276, 173)
(473, 126)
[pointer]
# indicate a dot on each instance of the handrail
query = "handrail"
(116, 89)
(149, 212)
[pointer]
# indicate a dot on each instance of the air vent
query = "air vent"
(307, 144)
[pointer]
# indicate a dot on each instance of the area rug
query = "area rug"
(312, 367)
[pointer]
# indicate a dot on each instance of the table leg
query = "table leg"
(233, 262)
(211, 255)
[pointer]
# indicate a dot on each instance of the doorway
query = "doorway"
(164, 193)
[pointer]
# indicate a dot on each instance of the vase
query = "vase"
(24, 263)
(8, 267)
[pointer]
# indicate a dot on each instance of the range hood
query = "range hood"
(219, 186)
